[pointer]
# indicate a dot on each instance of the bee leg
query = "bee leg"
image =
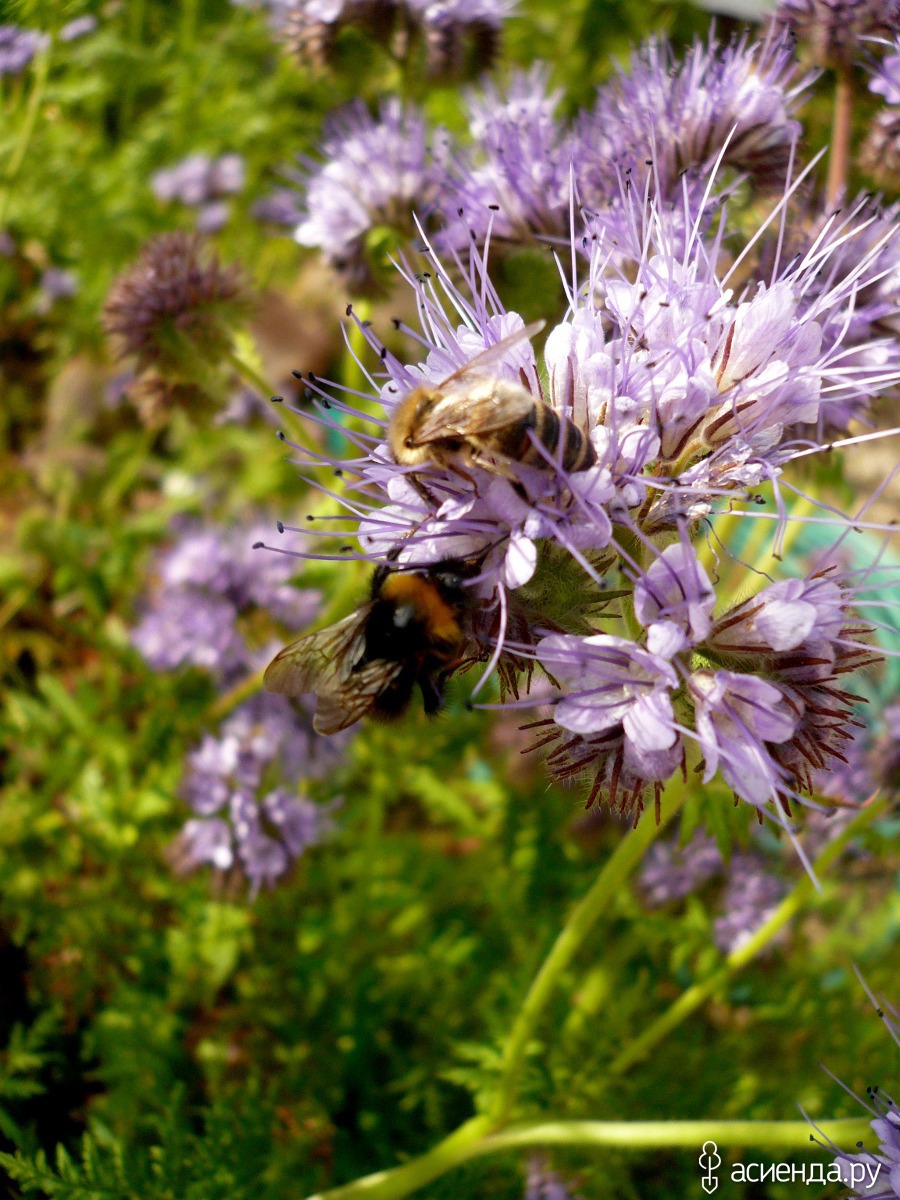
(428, 496)
(464, 474)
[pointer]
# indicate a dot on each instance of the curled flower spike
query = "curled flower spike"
(376, 173)
(663, 118)
(566, 492)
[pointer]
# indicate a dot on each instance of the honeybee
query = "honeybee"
(470, 419)
(367, 665)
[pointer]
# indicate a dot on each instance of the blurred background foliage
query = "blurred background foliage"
(165, 1034)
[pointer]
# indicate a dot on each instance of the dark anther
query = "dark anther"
(276, 399)
(396, 322)
(346, 549)
(349, 310)
(310, 377)
(383, 354)
(494, 207)
(259, 545)
(297, 374)
(310, 517)
(339, 473)
(279, 525)
(280, 436)
(325, 404)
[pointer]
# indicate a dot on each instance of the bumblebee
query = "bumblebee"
(470, 419)
(368, 665)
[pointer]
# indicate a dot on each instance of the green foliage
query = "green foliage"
(169, 1036)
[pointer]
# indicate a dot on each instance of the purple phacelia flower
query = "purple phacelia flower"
(543, 1184)
(518, 183)
(18, 47)
(837, 32)
(186, 628)
(664, 118)
(198, 179)
(690, 395)
(886, 76)
(78, 28)
(280, 207)
(243, 814)
(751, 896)
(377, 173)
(206, 581)
(671, 872)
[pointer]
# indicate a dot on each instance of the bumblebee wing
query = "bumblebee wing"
(356, 697)
(319, 662)
(491, 355)
(465, 413)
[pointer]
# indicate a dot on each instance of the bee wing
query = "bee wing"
(356, 697)
(491, 355)
(464, 413)
(319, 662)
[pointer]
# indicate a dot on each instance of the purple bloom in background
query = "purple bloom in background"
(232, 783)
(78, 28)
(543, 1184)
(518, 184)
(199, 178)
(376, 174)
(18, 47)
(191, 628)
(886, 76)
(880, 154)
(206, 581)
(280, 207)
(671, 872)
(664, 117)
(751, 896)
(838, 31)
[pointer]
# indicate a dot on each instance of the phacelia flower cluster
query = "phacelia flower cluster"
(207, 602)
(524, 170)
(18, 47)
(202, 182)
(174, 313)
(241, 783)
(582, 566)
(208, 585)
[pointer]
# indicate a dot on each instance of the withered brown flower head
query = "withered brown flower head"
(175, 304)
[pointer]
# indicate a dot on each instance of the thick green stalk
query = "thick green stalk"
(583, 918)
(691, 999)
(472, 1141)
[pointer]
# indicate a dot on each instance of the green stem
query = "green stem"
(250, 374)
(583, 918)
(42, 70)
(839, 155)
(230, 700)
(662, 1135)
(400, 1181)
(471, 1141)
(691, 999)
